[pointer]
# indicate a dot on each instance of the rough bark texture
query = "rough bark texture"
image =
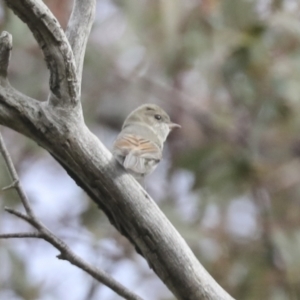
(58, 126)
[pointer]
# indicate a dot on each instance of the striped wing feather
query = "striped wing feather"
(139, 155)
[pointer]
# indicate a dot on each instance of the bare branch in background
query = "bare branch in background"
(45, 234)
(19, 235)
(16, 183)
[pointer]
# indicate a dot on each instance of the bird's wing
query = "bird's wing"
(139, 155)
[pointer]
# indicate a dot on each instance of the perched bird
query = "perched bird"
(139, 145)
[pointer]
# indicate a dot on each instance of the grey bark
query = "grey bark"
(58, 126)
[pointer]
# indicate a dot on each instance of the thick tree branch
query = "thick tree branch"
(78, 31)
(55, 46)
(45, 234)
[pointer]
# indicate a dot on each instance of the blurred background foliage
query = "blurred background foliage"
(229, 73)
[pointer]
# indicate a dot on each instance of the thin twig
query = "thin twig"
(35, 235)
(11, 186)
(14, 175)
(21, 216)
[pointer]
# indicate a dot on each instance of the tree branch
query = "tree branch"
(20, 216)
(78, 31)
(45, 234)
(55, 46)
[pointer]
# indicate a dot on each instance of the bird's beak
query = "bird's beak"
(173, 125)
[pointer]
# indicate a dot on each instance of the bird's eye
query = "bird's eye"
(157, 117)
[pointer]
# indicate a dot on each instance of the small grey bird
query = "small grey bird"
(139, 145)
